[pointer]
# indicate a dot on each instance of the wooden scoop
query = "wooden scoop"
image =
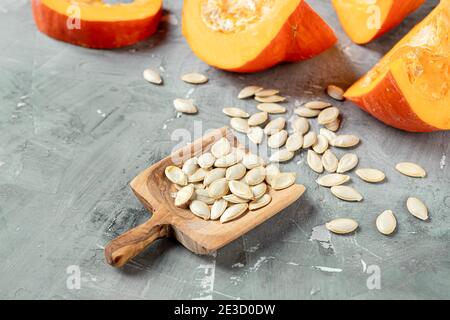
(202, 237)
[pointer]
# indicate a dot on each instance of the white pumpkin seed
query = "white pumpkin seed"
(185, 105)
(239, 124)
(370, 175)
(282, 155)
(342, 225)
(255, 176)
(206, 160)
(283, 180)
(235, 112)
(203, 196)
(260, 203)
(314, 161)
(274, 126)
(270, 99)
(271, 171)
(198, 175)
(278, 139)
(300, 125)
(176, 175)
(259, 190)
(330, 161)
(328, 115)
(306, 112)
(317, 105)
(346, 193)
(152, 76)
(218, 208)
(417, 208)
(294, 142)
(190, 166)
(333, 126)
(194, 78)
(386, 222)
(411, 170)
(255, 135)
(249, 91)
(335, 92)
(221, 148)
(218, 188)
(230, 159)
(251, 161)
(232, 198)
(348, 162)
(240, 189)
(258, 118)
(321, 144)
(272, 108)
(200, 209)
(233, 212)
(184, 195)
(213, 175)
(267, 93)
(199, 186)
(345, 141)
(330, 135)
(309, 139)
(235, 172)
(332, 180)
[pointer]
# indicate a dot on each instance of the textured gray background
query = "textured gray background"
(76, 125)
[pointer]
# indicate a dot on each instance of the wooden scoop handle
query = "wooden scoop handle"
(128, 245)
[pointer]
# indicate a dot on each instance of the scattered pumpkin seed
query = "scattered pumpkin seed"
(185, 105)
(345, 141)
(386, 222)
(198, 175)
(203, 196)
(235, 112)
(233, 212)
(239, 124)
(251, 160)
(333, 126)
(240, 189)
(218, 208)
(232, 198)
(317, 105)
(272, 108)
(270, 99)
(274, 126)
(335, 92)
(330, 161)
(282, 155)
(200, 209)
(346, 193)
(330, 135)
(218, 188)
(417, 208)
(342, 225)
(176, 175)
(328, 115)
(249, 91)
(348, 162)
(309, 139)
(213, 175)
(190, 166)
(271, 171)
(258, 118)
(255, 135)
(278, 139)
(260, 203)
(306, 112)
(321, 144)
(194, 78)
(294, 142)
(235, 172)
(411, 170)
(300, 125)
(230, 159)
(267, 93)
(152, 76)
(221, 148)
(314, 161)
(206, 160)
(259, 190)
(332, 180)
(283, 180)
(255, 176)
(371, 175)
(184, 195)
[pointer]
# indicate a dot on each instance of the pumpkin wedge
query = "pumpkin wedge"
(94, 24)
(249, 36)
(365, 20)
(410, 87)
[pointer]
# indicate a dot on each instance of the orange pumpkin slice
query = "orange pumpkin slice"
(410, 87)
(94, 24)
(366, 20)
(248, 36)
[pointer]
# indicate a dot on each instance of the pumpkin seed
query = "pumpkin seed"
(206, 160)
(321, 144)
(258, 118)
(198, 175)
(328, 115)
(345, 141)
(417, 208)
(221, 148)
(255, 176)
(335, 92)
(240, 189)
(152, 76)
(203, 196)
(386, 222)
(190, 166)
(273, 108)
(274, 126)
(176, 175)
(184, 195)
(411, 170)
(185, 105)
(330, 135)
(255, 135)
(249, 91)
(261, 202)
(283, 180)
(270, 99)
(235, 112)
(251, 161)
(332, 180)
(294, 142)
(278, 139)
(317, 105)
(230, 159)
(213, 175)
(371, 175)
(194, 78)
(346, 193)
(199, 186)
(239, 124)
(271, 171)
(314, 161)
(342, 225)
(218, 208)
(259, 190)
(218, 188)
(333, 126)
(200, 209)
(306, 112)
(300, 125)
(309, 139)
(235, 172)
(233, 212)
(282, 155)
(232, 198)
(348, 162)
(330, 161)
(267, 93)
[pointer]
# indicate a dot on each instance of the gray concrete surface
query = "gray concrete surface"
(76, 125)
